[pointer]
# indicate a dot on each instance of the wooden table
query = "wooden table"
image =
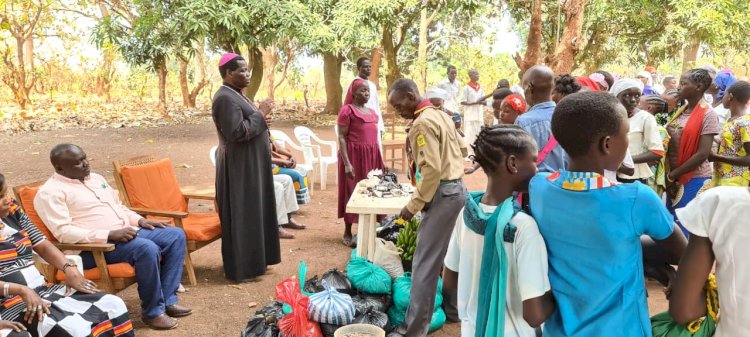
(368, 208)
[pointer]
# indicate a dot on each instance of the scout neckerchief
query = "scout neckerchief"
(691, 135)
(474, 85)
(496, 229)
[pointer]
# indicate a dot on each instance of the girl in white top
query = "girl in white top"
(719, 231)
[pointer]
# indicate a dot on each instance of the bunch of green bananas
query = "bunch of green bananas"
(407, 239)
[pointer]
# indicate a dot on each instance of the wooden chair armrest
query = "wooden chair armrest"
(87, 247)
(199, 196)
(168, 214)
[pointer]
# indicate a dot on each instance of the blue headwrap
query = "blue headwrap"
(724, 80)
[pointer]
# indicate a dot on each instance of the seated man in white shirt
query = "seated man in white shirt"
(80, 207)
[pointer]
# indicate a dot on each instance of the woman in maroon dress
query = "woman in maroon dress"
(359, 152)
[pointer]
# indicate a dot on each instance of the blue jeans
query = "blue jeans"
(158, 256)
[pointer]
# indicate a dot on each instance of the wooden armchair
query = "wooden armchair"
(393, 146)
(110, 277)
(149, 187)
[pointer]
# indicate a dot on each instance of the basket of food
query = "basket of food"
(359, 330)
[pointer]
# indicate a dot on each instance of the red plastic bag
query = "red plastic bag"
(296, 324)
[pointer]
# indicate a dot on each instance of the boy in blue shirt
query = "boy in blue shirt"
(592, 226)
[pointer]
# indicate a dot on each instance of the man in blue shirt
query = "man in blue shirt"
(538, 82)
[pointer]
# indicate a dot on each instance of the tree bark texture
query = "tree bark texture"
(533, 54)
(690, 54)
(161, 71)
(390, 53)
(332, 76)
(375, 60)
(563, 60)
(256, 67)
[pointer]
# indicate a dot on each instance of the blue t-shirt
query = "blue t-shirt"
(538, 123)
(592, 229)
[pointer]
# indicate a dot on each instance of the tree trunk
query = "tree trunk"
(184, 86)
(161, 71)
(422, 50)
(565, 54)
(270, 59)
(255, 63)
(332, 76)
(533, 40)
(375, 60)
(201, 58)
(690, 54)
(390, 51)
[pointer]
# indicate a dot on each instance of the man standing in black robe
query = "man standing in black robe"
(244, 182)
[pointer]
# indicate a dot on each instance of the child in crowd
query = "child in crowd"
(511, 107)
(718, 232)
(731, 161)
(495, 246)
(497, 103)
(592, 225)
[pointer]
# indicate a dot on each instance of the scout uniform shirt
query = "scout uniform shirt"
(438, 152)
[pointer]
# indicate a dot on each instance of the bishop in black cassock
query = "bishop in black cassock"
(244, 182)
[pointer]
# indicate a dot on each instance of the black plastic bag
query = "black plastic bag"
(312, 285)
(373, 317)
(389, 229)
(328, 329)
(257, 327)
(338, 280)
(273, 309)
(362, 302)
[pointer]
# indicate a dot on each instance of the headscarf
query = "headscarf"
(647, 75)
(600, 79)
(650, 69)
(724, 80)
(624, 84)
(226, 58)
(588, 83)
(349, 99)
(516, 102)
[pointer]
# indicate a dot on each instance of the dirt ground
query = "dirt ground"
(220, 307)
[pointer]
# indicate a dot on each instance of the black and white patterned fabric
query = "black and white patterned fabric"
(77, 315)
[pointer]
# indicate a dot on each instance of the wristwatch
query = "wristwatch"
(68, 264)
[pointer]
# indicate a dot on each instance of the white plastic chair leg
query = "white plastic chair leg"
(323, 176)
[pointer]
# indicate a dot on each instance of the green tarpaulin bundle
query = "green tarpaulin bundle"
(662, 325)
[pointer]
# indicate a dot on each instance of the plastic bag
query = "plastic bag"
(338, 280)
(368, 277)
(297, 323)
(362, 302)
(312, 285)
(257, 327)
(397, 317)
(389, 229)
(388, 257)
(373, 317)
(273, 309)
(329, 329)
(402, 292)
(330, 306)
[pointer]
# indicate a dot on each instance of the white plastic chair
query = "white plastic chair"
(212, 154)
(307, 155)
(281, 137)
(308, 138)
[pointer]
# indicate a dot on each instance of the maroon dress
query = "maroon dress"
(364, 153)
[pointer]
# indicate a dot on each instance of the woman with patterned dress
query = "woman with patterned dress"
(31, 307)
(731, 160)
(359, 151)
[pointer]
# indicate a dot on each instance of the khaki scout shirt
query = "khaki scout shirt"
(438, 152)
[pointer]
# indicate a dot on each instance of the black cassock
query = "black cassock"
(244, 187)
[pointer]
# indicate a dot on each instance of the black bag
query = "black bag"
(313, 285)
(273, 309)
(373, 317)
(328, 329)
(338, 280)
(257, 327)
(362, 302)
(389, 229)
